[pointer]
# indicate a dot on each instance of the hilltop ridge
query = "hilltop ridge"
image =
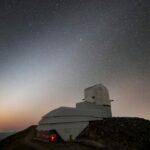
(109, 134)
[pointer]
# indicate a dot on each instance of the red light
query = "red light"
(52, 137)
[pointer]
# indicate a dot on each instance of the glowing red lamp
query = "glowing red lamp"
(53, 137)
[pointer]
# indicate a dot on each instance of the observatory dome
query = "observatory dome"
(69, 122)
(97, 94)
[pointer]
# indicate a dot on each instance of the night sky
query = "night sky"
(51, 50)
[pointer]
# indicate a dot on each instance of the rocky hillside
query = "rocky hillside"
(120, 133)
(107, 134)
(26, 140)
(3, 135)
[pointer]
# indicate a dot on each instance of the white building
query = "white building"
(69, 122)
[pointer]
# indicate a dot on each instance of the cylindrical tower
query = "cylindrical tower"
(97, 94)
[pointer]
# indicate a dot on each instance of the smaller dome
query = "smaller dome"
(97, 94)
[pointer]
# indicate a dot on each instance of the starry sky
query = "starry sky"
(51, 50)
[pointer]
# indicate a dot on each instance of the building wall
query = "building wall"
(103, 111)
(67, 119)
(67, 131)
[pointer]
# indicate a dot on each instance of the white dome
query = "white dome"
(97, 94)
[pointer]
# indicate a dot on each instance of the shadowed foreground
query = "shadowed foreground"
(108, 134)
